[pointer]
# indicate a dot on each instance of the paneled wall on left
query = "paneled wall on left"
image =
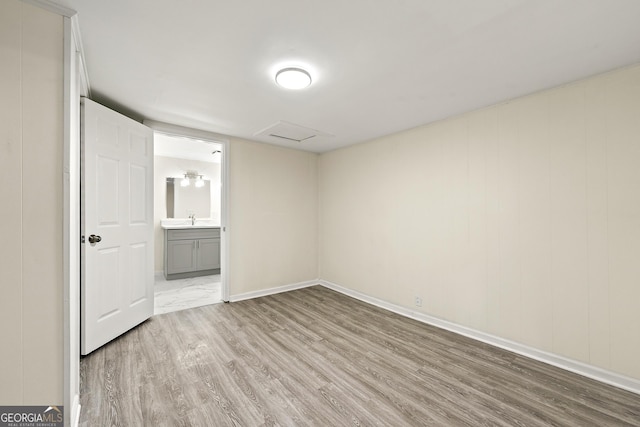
(31, 158)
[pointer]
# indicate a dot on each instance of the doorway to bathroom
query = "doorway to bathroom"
(189, 221)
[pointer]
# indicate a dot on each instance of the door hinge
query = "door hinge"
(81, 239)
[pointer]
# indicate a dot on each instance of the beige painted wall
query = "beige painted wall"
(272, 216)
(520, 220)
(31, 150)
(165, 167)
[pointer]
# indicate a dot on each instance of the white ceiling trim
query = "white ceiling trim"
(52, 7)
(175, 130)
(85, 89)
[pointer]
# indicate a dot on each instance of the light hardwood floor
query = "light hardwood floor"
(318, 358)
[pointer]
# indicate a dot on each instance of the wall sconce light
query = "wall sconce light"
(186, 181)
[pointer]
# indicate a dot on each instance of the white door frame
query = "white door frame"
(222, 140)
(76, 84)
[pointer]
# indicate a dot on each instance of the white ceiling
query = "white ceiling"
(378, 66)
(186, 148)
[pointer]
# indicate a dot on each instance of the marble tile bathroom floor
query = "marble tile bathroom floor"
(181, 294)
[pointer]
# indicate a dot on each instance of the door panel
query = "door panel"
(138, 271)
(117, 206)
(137, 206)
(107, 186)
(108, 268)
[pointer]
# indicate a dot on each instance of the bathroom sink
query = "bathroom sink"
(177, 223)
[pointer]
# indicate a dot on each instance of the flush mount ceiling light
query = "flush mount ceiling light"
(293, 78)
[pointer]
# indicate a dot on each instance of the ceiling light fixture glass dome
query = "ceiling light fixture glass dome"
(293, 78)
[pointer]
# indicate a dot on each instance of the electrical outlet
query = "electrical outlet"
(418, 302)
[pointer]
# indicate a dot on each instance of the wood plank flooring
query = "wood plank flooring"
(314, 357)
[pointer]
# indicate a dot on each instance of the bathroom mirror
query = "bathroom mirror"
(182, 202)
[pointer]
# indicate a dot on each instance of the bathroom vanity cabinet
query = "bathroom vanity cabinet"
(191, 252)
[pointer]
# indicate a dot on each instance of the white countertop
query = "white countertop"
(179, 223)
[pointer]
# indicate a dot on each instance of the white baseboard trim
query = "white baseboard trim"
(589, 371)
(75, 411)
(272, 291)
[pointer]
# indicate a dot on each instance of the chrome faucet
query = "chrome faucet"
(193, 219)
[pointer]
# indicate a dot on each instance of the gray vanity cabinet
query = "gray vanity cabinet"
(181, 256)
(191, 252)
(208, 254)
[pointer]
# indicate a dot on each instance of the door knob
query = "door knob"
(94, 239)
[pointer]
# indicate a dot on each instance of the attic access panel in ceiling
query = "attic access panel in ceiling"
(291, 132)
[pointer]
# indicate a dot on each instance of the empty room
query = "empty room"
(423, 212)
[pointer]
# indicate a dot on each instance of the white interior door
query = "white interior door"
(117, 225)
